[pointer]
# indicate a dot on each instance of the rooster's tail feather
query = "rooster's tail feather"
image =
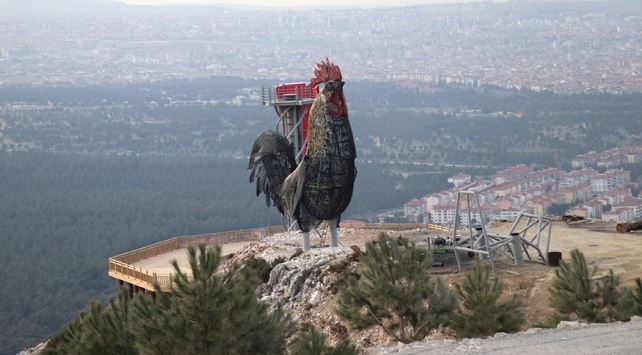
(292, 190)
(271, 161)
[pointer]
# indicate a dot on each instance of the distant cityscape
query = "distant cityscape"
(566, 51)
(583, 192)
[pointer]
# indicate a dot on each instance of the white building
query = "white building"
(459, 179)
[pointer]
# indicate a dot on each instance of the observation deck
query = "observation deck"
(142, 268)
(295, 94)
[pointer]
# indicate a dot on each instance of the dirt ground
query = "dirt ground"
(602, 247)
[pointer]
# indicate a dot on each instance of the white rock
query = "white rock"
(532, 330)
(297, 283)
(571, 324)
(315, 297)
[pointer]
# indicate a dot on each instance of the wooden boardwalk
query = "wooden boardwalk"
(161, 264)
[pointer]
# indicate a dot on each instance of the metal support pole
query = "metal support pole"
(515, 223)
(490, 253)
(455, 227)
(480, 241)
(334, 236)
(306, 241)
(470, 220)
(516, 248)
(548, 241)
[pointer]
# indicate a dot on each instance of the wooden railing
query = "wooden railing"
(406, 226)
(228, 237)
(121, 268)
(148, 251)
(132, 274)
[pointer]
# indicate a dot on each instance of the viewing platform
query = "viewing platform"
(294, 94)
(142, 268)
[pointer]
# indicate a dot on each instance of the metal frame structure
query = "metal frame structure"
(483, 243)
(528, 241)
(291, 103)
(519, 239)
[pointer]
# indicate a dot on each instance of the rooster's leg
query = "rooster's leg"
(334, 233)
(306, 241)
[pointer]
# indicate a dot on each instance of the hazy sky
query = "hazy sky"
(299, 3)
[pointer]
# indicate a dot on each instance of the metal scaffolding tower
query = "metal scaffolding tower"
(478, 241)
(292, 103)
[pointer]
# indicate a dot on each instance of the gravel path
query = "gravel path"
(569, 338)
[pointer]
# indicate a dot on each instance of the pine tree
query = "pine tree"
(480, 312)
(395, 291)
(209, 313)
(607, 289)
(97, 330)
(616, 305)
(311, 342)
(623, 308)
(573, 291)
(637, 297)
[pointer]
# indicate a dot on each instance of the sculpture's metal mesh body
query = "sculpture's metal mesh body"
(329, 177)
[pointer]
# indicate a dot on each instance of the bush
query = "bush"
(260, 267)
(395, 292)
(311, 342)
(480, 313)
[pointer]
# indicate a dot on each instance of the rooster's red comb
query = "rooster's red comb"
(324, 72)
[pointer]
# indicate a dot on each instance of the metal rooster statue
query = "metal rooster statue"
(320, 187)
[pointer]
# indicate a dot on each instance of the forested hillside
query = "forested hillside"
(63, 215)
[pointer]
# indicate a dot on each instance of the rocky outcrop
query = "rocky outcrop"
(305, 284)
(35, 350)
(302, 282)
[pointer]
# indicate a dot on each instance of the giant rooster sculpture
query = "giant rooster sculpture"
(320, 187)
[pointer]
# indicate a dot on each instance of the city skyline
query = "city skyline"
(304, 4)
